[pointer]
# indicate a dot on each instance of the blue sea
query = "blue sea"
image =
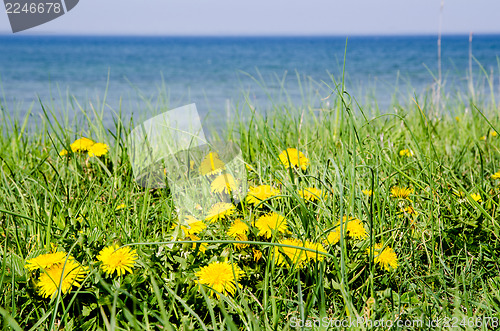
(137, 74)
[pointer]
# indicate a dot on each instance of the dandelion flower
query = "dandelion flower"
(355, 228)
(223, 183)
(202, 247)
(81, 145)
(71, 272)
(293, 157)
(311, 193)
(367, 192)
(482, 138)
(211, 164)
(261, 193)
(98, 149)
(63, 152)
(220, 210)
(193, 225)
(120, 206)
(496, 175)
(45, 261)
(493, 133)
(333, 237)
(401, 192)
(238, 231)
(237, 228)
(314, 256)
(257, 255)
(241, 237)
(267, 223)
(476, 197)
(220, 276)
(387, 259)
(117, 259)
(406, 152)
(296, 256)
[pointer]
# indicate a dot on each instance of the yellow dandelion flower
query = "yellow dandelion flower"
(261, 193)
(211, 164)
(406, 152)
(193, 225)
(355, 228)
(482, 138)
(315, 256)
(238, 231)
(457, 118)
(476, 197)
(293, 157)
(81, 145)
(269, 223)
(117, 259)
(219, 211)
(387, 259)
(401, 192)
(241, 237)
(257, 255)
(297, 257)
(367, 192)
(63, 152)
(202, 247)
(496, 175)
(192, 236)
(45, 261)
(333, 237)
(223, 183)
(98, 149)
(311, 193)
(220, 276)
(493, 133)
(120, 206)
(237, 228)
(71, 272)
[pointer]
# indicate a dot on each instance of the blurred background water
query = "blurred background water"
(137, 74)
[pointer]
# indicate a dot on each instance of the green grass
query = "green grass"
(448, 254)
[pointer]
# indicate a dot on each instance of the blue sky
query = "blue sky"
(272, 17)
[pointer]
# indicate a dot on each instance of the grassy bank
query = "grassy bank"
(404, 225)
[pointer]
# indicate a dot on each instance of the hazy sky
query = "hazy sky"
(272, 17)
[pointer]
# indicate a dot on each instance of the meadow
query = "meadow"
(352, 215)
